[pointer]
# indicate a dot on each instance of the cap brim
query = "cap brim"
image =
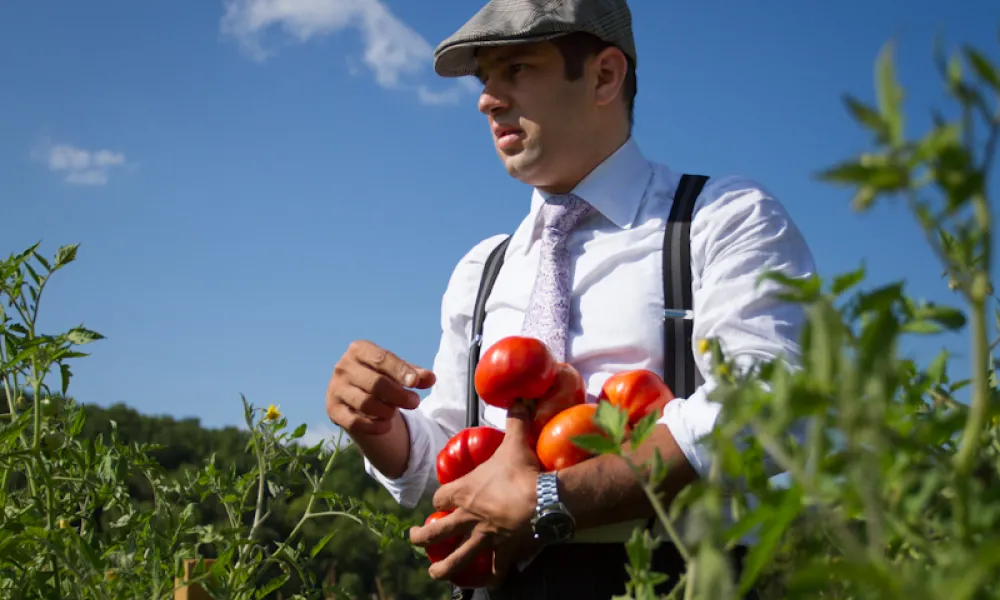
(459, 58)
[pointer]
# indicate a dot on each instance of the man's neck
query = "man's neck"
(601, 152)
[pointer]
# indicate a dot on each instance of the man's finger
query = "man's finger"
(355, 422)
(457, 523)
(366, 404)
(451, 566)
(392, 366)
(444, 496)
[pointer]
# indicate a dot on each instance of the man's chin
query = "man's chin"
(518, 165)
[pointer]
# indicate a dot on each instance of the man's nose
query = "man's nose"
(491, 102)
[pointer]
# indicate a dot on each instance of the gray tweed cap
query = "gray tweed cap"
(502, 22)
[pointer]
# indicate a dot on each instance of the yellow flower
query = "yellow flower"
(110, 575)
(272, 414)
(62, 523)
(702, 346)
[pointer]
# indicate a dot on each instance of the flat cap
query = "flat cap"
(503, 22)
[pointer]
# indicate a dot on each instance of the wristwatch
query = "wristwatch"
(552, 523)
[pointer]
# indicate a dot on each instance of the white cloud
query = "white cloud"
(397, 56)
(80, 166)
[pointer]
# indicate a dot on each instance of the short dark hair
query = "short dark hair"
(577, 47)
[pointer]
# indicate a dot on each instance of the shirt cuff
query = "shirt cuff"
(410, 487)
(689, 420)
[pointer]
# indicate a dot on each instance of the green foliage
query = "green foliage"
(893, 488)
(105, 503)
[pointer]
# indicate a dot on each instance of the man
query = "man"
(558, 90)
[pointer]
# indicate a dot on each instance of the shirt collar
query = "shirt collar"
(616, 188)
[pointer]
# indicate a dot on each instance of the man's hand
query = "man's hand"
(493, 505)
(367, 389)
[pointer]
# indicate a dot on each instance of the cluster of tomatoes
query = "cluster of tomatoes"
(522, 368)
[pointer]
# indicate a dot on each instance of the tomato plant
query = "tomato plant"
(555, 447)
(638, 392)
(466, 450)
(513, 368)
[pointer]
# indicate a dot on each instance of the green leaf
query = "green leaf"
(947, 316)
(868, 117)
(921, 327)
(937, 141)
(81, 335)
(321, 544)
(77, 425)
(612, 420)
(880, 299)
(66, 255)
(889, 94)
(938, 367)
(846, 281)
(817, 577)
(299, 432)
(596, 443)
(34, 274)
(795, 289)
(273, 585)
(983, 68)
(770, 536)
(65, 374)
(45, 263)
(643, 429)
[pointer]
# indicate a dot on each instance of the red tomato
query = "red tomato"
(638, 392)
(555, 448)
(441, 550)
(567, 389)
(465, 451)
(477, 572)
(514, 368)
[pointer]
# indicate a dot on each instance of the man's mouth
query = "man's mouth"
(506, 135)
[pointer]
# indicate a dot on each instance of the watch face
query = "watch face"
(555, 526)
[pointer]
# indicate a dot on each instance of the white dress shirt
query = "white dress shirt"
(738, 231)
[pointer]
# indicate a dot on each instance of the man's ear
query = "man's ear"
(608, 67)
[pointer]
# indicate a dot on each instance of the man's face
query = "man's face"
(537, 118)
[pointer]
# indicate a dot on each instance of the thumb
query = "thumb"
(519, 422)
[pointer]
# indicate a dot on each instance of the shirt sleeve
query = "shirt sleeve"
(442, 413)
(738, 233)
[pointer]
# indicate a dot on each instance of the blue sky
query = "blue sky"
(256, 183)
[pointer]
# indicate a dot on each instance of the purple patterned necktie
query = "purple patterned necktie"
(547, 317)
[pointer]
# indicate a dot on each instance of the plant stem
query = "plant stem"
(260, 485)
(689, 586)
(312, 501)
(980, 349)
(661, 513)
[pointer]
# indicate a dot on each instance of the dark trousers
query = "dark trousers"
(588, 572)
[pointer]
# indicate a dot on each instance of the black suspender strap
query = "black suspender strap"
(679, 370)
(490, 271)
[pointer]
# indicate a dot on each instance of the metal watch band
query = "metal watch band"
(548, 491)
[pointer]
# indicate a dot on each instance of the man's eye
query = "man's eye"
(516, 68)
